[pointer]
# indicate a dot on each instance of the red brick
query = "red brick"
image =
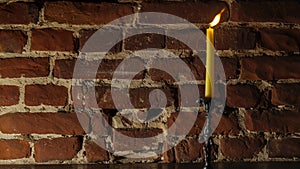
(85, 12)
(285, 121)
(129, 145)
(242, 96)
(14, 149)
(12, 41)
(56, 149)
(36, 95)
(100, 124)
(188, 150)
(41, 123)
(24, 67)
(139, 97)
(52, 40)
(144, 41)
(196, 12)
(280, 39)
(230, 66)
(286, 94)
(195, 67)
(284, 148)
(240, 148)
(235, 38)
(115, 48)
(9, 95)
(270, 68)
(18, 13)
(94, 152)
(64, 68)
(266, 11)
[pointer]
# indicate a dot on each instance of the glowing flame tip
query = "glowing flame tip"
(216, 19)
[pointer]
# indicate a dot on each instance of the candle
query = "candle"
(209, 78)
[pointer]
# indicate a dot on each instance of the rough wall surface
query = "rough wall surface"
(258, 43)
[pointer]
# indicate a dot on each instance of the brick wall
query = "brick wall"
(258, 43)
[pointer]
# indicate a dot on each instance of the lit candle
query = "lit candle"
(209, 79)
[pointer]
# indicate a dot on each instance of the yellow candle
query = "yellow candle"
(209, 79)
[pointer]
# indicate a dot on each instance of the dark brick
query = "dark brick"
(24, 67)
(56, 149)
(18, 13)
(286, 94)
(12, 41)
(266, 11)
(235, 38)
(284, 148)
(85, 12)
(42, 123)
(52, 40)
(240, 148)
(9, 95)
(96, 153)
(284, 121)
(280, 39)
(195, 12)
(270, 68)
(36, 95)
(242, 96)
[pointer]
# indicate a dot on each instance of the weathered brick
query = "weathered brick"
(19, 13)
(56, 149)
(242, 96)
(240, 148)
(230, 66)
(284, 121)
(188, 150)
(235, 38)
(36, 95)
(270, 68)
(284, 148)
(42, 123)
(14, 149)
(85, 12)
(115, 48)
(195, 12)
(52, 40)
(9, 95)
(129, 145)
(94, 152)
(24, 67)
(144, 41)
(266, 11)
(139, 97)
(280, 39)
(286, 94)
(12, 41)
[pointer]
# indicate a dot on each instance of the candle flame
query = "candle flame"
(216, 19)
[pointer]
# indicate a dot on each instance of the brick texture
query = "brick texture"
(14, 149)
(18, 13)
(270, 68)
(41, 123)
(265, 11)
(286, 94)
(285, 121)
(12, 41)
(96, 153)
(240, 148)
(52, 40)
(242, 96)
(85, 12)
(24, 67)
(56, 149)
(9, 95)
(284, 148)
(46, 94)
